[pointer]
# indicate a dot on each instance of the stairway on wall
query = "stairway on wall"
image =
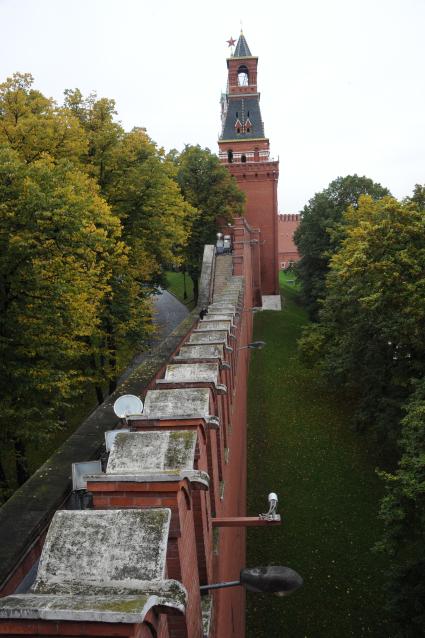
(223, 273)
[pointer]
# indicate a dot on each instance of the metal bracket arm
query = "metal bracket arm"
(245, 521)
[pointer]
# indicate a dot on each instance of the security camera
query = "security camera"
(271, 515)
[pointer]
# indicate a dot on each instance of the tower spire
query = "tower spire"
(242, 48)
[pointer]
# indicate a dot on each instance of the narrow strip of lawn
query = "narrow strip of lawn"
(180, 284)
(300, 445)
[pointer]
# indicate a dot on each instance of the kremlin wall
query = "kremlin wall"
(161, 514)
(166, 513)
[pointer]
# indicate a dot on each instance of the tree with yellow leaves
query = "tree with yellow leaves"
(59, 244)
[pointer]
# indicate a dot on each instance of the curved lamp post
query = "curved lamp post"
(274, 579)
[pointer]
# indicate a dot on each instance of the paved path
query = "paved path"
(168, 313)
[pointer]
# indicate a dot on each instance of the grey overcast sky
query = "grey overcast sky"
(342, 82)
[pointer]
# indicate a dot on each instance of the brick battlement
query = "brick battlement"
(132, 565)
(289, 217)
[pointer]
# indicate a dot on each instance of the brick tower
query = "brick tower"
(246, 151)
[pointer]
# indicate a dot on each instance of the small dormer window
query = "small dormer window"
(238, 130)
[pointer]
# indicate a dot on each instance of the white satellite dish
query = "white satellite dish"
(126, 405)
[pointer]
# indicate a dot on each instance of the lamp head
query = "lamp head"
(273, 579)
(256, 345)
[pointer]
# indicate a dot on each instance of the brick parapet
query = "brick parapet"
(25, 517)
(194, 556)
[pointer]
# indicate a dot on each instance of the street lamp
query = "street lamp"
(273, 579)
(255, 345)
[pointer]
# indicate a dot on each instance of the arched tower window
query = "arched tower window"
(230, 156)
(243, 158)
(243, 76)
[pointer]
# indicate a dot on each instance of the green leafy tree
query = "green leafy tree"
(370, 338)
(103, 133)
(155, 218)
(418, 197)
(90, 218)
(403, 514)
(58, 244)
(139, 184)
(209, 187)
(34, 125)
(321, 231)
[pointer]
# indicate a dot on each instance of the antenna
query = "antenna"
(127, 405)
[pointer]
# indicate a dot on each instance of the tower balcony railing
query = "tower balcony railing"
(247, 157)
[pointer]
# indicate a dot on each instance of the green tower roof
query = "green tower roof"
(242, 48)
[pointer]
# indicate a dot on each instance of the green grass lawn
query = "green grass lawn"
(300, 445)
(176, 283)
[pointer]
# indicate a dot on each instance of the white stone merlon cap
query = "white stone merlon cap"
(224, 302)
(229, 297)
(101, 565)
(106, 607)
(130, 545)
(214, 324)
(220, 304)
(194, 373)
(217, 315)
(201, 351)
(184, 403)
(224, 307)
(159, 456)
(212, 336)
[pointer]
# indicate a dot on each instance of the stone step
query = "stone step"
(223, 272)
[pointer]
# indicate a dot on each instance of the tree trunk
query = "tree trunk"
(112, 385)
(21, 461)
(112, 348)
(97, 386)
(3, 478)
(99, 393)
(195, 289)
(184, 285)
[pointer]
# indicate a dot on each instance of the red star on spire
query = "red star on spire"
(231, 42)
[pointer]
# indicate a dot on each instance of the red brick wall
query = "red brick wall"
(259, 183)
(67, 629)
(229, 559)
(182, 564)
(288, 252)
